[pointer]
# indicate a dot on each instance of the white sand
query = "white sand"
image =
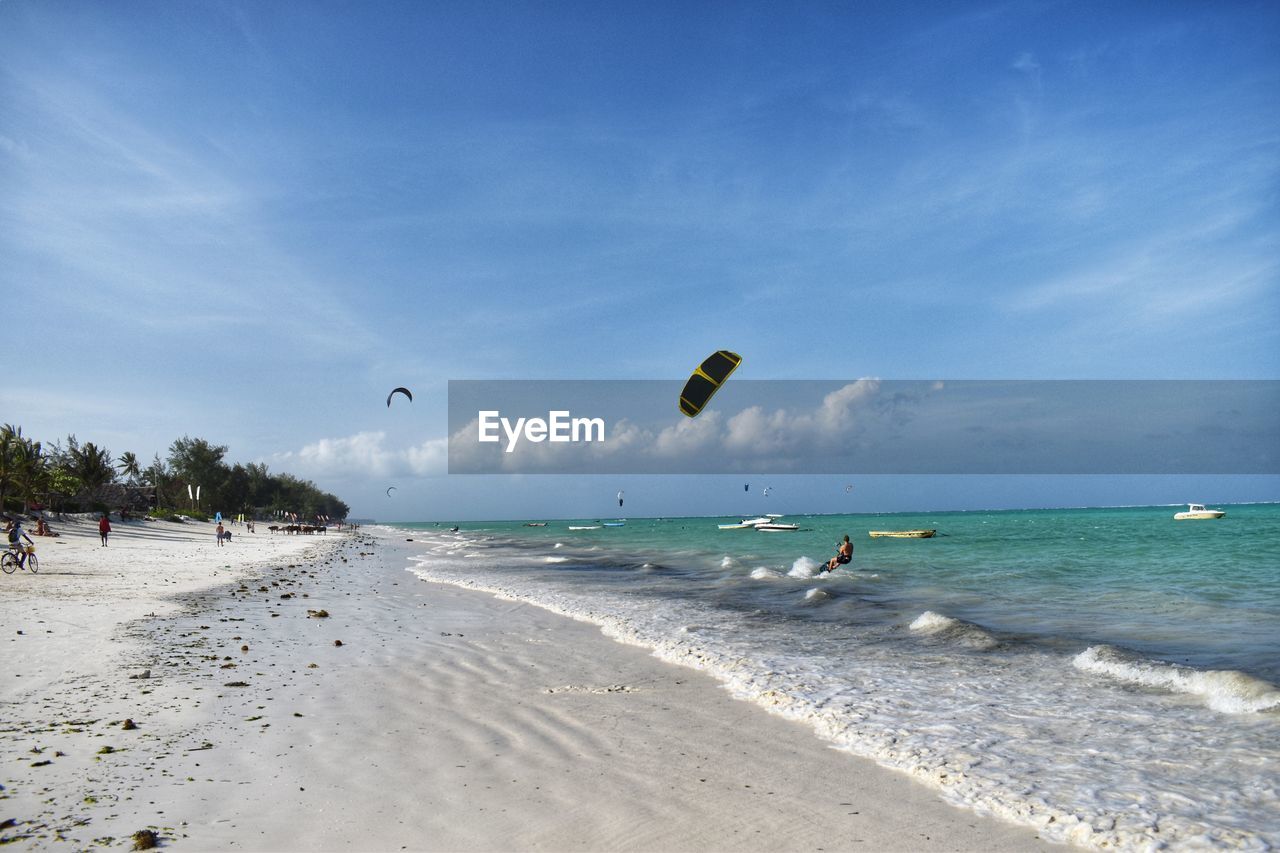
(447, 719)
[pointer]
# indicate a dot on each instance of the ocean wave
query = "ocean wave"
(817, 594)
(953, 630)
(726, 562)
(804, 567)
(555, 559)
(1225, 690)
(761, 573)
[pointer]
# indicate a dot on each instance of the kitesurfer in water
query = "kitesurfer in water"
(844, 555)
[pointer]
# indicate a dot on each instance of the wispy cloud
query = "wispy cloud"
(113, 210)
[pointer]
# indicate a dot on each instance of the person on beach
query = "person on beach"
(42, 528)
(104, 527)
(16, 535)
(221, 532)
(844, 555)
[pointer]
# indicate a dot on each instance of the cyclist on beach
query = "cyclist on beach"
(16, 535)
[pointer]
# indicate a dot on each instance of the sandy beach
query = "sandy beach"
(446, 719)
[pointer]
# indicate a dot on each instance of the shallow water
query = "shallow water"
(1105, 674)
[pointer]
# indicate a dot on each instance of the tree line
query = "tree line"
(70, 476)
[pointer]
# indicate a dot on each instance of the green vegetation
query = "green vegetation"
(70, 477)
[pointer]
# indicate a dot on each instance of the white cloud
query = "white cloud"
(364, 454)
(689, 436)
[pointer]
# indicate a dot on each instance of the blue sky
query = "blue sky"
(249, 221)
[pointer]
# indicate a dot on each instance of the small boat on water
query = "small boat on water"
(749, 523)
(535, 524)
(1195, 511)
(776, 527)
(902, 534)
(614, 523)
(585, 527)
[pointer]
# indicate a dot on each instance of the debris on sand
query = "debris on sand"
(145, 839)
(337, 642)
(146, 673)
(128, 725)
(236, 684)
(317, 614)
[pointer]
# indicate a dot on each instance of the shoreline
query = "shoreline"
(1076, 740)
(448, 719)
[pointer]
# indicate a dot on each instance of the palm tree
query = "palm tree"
(30, 471)
(158, 475)
(92, 465)
(128, 465)
(10, 437)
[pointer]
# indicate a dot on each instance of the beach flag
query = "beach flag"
(190, 496)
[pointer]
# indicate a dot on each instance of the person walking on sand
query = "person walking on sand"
(221, 532)
(844, 555)
(104, 527)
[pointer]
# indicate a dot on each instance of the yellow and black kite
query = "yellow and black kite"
(706, 381)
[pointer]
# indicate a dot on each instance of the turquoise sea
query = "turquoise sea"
(1106, 674)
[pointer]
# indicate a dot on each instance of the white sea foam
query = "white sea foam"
(558, 545)
(816, 594)
(1228, 691)
(804, 568)
(764, 573)
(555, 559)
(954, 630)
(726, 562)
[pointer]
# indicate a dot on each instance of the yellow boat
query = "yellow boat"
(902, 534)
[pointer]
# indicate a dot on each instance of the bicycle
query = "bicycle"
(9, 562)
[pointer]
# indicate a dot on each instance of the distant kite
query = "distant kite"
(848, 488)
(746, 487)
(390, 489)
(394, 391)
(766, 490)
(706, 381)
(620, 498)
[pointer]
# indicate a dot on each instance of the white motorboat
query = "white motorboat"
(1195, 511)
(776, 528)
(749, 523)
